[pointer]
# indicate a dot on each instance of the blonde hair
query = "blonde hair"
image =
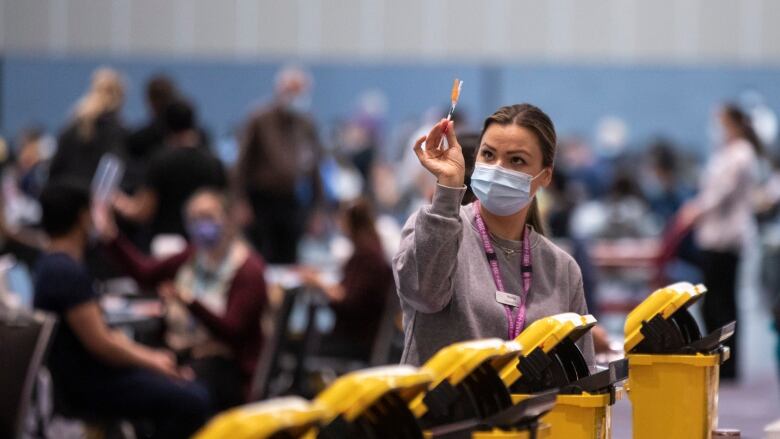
(106, 93)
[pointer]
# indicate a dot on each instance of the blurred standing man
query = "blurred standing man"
(145, 141)
(278, 168)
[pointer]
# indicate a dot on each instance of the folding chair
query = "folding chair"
(276, 342)
(24, 341)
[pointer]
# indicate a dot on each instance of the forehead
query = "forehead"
(204, 202)
(511, 137)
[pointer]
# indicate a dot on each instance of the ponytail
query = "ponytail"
(534, 218)
(745, 125)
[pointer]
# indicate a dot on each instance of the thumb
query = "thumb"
(452, 140)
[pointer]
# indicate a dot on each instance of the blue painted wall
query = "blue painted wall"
(673, 101)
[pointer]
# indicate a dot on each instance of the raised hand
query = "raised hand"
(446, 164)
(103, 221)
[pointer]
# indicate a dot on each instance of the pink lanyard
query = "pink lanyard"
(517, 323)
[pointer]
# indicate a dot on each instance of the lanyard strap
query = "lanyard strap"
(516, 322)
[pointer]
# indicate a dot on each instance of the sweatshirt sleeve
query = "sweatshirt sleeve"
(428, 254)
(578, 305)
(146, 270)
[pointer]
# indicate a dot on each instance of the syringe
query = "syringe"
(454, 96)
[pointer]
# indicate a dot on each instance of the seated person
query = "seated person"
(96, 369)
(359, 299)
(215, 294)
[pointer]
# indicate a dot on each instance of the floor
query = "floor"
(749, 407)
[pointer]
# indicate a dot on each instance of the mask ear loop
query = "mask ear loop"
(534, 178)
(540, 173)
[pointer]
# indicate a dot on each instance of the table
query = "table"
(135, 315)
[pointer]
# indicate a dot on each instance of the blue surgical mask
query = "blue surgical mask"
(503, 192)
(205, 234)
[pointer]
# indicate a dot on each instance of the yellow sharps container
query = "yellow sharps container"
(290, 417)
(550, 360)
(673, 370)
(373, 403)
(467, 397)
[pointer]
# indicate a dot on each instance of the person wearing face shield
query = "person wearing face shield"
(277, 178)
(214, 293)
(484, 269)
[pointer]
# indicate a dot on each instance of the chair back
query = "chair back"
(24, 341)
(275, 343)
(387, 332)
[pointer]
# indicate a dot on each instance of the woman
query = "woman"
(215, 295)
(359, 299)
(485, 269)
(722, 218)
(95, 129)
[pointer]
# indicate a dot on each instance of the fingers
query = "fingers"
(452, 140)
(434, 136)
(169, 356)
(186, 373)
(418, 147)
(165, 289)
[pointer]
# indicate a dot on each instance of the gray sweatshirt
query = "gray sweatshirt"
(447, 290)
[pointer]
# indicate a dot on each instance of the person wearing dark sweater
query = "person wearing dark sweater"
(175, 172)
(215, 295)
(277, 173)
(143, 142)
(95, 129)
(359, 299)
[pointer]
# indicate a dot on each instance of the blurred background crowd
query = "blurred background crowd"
(267, 166)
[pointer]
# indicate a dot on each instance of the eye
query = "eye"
(517, 160)
(487, 155)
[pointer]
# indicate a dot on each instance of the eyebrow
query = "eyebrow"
(512, 151)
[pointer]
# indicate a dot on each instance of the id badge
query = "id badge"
(507, 299)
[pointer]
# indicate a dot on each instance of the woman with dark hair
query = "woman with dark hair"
(722, 218)
(484, 269)
(469, 143)
(359, 299)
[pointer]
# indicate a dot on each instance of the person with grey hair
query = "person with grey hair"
(277, 174)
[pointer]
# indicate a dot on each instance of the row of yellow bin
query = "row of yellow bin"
(536, 386)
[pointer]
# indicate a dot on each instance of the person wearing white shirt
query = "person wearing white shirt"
(722, 217)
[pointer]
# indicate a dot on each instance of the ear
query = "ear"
(546, 178)
(85, 217)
